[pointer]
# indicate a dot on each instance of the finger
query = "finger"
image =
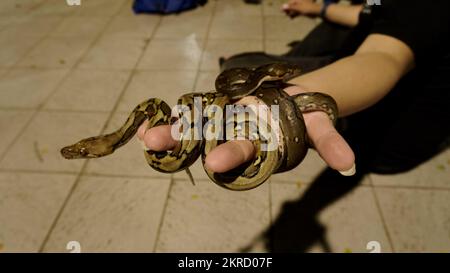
(142, 129)
(229, 155)
(159, 138)
(330, 145)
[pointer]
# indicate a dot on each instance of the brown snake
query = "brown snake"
(266, 84)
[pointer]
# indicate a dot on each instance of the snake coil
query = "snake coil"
(265, 84)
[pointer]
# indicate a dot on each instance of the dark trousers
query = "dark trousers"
(407, 127)
(316, 50)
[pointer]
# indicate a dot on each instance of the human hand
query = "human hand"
(330, 145)
(294, 8)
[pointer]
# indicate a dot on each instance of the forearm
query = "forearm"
(343, 14)
(361, 80)
(353, 83)
(347, 15)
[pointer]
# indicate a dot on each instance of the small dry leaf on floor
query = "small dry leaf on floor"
(194, 197)
(39, 152)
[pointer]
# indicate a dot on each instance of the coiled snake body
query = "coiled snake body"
(266, 84)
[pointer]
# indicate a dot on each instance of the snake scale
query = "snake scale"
(265, 83)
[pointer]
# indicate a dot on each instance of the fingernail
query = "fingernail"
(143, 145)
(350, 171)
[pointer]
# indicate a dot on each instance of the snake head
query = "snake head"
(92, 147)
(295, 71)
(289, 71)
(284, 71)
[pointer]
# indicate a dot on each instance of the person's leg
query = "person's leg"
(419, 131)
(325, 39)
(316, 50)
(404, 129)
(256, 59)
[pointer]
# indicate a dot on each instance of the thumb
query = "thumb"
(330, 145)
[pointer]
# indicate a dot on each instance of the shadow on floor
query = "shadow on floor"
(300, 217)
(297, 228)
(403, 130)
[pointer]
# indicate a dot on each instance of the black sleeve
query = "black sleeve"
(422, 25)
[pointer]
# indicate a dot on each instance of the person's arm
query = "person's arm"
(343, 15)
(359, 81)
(347, 15)
(356, 82)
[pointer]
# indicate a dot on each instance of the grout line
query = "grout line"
(18, 135)
(85, 164)
(84, 174)
(137, 176)
(430, 188)
(270, 201)
(163, 214)
(202, 180)
(27, 12)
(17, 109)
(76, 111)
(75, 65)
(264, 46)
(172, 178)
(196, 179)
(303, 182)
(32, 109)
(57, 86)
(130, 77)
(38, 42)
(8, 70)
(205, 43)
(410, 187)
(38, 172)
(214, 39)
(287, 182)
(60, 211)
(271, 216)
(60, 82)
(37, 6)
(106, 175)
(380, 212)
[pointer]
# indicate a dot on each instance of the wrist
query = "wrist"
(314, 122)
(294, 90)
(317, 9)
(324, 8)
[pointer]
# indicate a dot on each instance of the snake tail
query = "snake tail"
(156, 111)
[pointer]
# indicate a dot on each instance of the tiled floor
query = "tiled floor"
(71, 72)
